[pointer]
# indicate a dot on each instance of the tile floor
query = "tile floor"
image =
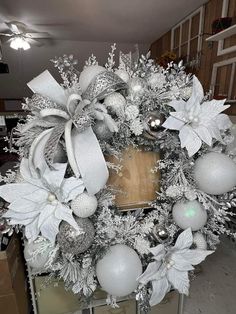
(214, 290)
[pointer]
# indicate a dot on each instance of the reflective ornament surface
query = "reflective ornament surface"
(215, 173)
(84, 205)
(118, 270)
(75, 241)
(153, 124)
(189, 214)
(160, 233)
(88, 74)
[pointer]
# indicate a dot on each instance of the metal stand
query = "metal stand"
(181, 304)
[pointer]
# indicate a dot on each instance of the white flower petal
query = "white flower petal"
(184, 240)
(197, 93)
(173, 124)
(150, 271)
(159, 249)
(195, 256)
(55, 177)
(46, 212)
(70, 188)
(190, 140)
(179, 280)
(50, 228)
(204, 134)
(65, 213)
(180, 263)
(178, 105)
(223, 121)
(32, 230)
(180, 115)
(210, 109)
(13, 191)
(159, 290)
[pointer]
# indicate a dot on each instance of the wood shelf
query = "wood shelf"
(223, 34)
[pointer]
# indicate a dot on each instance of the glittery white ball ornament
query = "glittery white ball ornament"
(189, 214)
(137, 86)
(200, 241)
(215, 173)
(84, 205)
(88, 74)
(116, 102)
(123, 75)
(157, 80)
(118, 270)
(37, 252)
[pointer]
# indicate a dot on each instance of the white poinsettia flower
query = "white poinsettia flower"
(170, 268)
(40, 204)
(197, 122)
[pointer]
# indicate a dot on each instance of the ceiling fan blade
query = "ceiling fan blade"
(13, 27)
(5, 34)
(37, 35)
(34, 42)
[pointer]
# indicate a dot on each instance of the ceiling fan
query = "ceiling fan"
(21, 37)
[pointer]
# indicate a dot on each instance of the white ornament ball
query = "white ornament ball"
(118, 270)
(123, 75)
(84, 205)
(215, 173)
(200, 241)
(189, 214)
(88, 74)
(36, 253)
(116, 102)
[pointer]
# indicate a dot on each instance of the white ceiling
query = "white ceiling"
(126, 21)
(82, 27)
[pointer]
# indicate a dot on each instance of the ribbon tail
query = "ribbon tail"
(51, 145)
(36, 153)
(90, 160)
(70, 149)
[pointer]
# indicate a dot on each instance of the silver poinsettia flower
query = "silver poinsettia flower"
(40, 204)
(196, 120)
(170, 267)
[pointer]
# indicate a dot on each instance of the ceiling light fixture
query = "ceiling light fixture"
(19, 42)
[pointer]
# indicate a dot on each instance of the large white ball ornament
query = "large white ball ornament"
(189, 214)
(84, 205)
(215, 173)
(36, 253)
(118, 270)
(123, 75)
(88, 74)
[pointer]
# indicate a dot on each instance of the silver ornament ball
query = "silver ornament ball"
(75, 241)
(160, 233)
(84, 205)
(215, 173)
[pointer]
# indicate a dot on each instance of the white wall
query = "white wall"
(25, 65)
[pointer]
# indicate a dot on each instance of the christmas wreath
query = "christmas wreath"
(77, 134)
